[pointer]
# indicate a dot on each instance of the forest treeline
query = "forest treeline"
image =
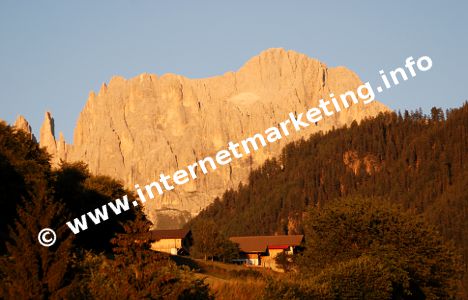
(373, 201)
(409, 159)
(102, 263)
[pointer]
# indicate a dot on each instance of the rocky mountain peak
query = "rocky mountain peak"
(134, 129)
(47, 135)
(22, 124)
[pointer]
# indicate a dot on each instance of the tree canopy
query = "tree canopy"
(418, 162)
(103, 262)
(360, 248)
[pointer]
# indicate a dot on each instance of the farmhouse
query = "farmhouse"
(262, 250)
(172, 241)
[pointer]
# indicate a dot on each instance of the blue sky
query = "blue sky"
(53, 53)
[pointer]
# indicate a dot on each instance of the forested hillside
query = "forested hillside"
(102, 263)
(419, 162)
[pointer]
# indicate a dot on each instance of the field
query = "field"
(229, 281)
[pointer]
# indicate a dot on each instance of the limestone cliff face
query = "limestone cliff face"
(47, 135)
(135, 129)
(22, 124)
(57, 149)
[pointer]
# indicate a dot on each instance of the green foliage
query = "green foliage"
(147, 275)
(361, 278)
(366, 249)
(285, 261)
(82, 192)
(409, 160)
(32, 271)
(24, 171)
(135, 272)
(34, 197)
(27, 269)
(227, 250)
(415, 161)
(209, 243)
(350, 235)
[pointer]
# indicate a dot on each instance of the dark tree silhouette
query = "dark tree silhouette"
(32, 271)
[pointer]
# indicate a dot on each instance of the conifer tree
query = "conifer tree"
(33, 271)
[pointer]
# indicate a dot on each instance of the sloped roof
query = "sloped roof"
(156, 235)
(261, 243)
